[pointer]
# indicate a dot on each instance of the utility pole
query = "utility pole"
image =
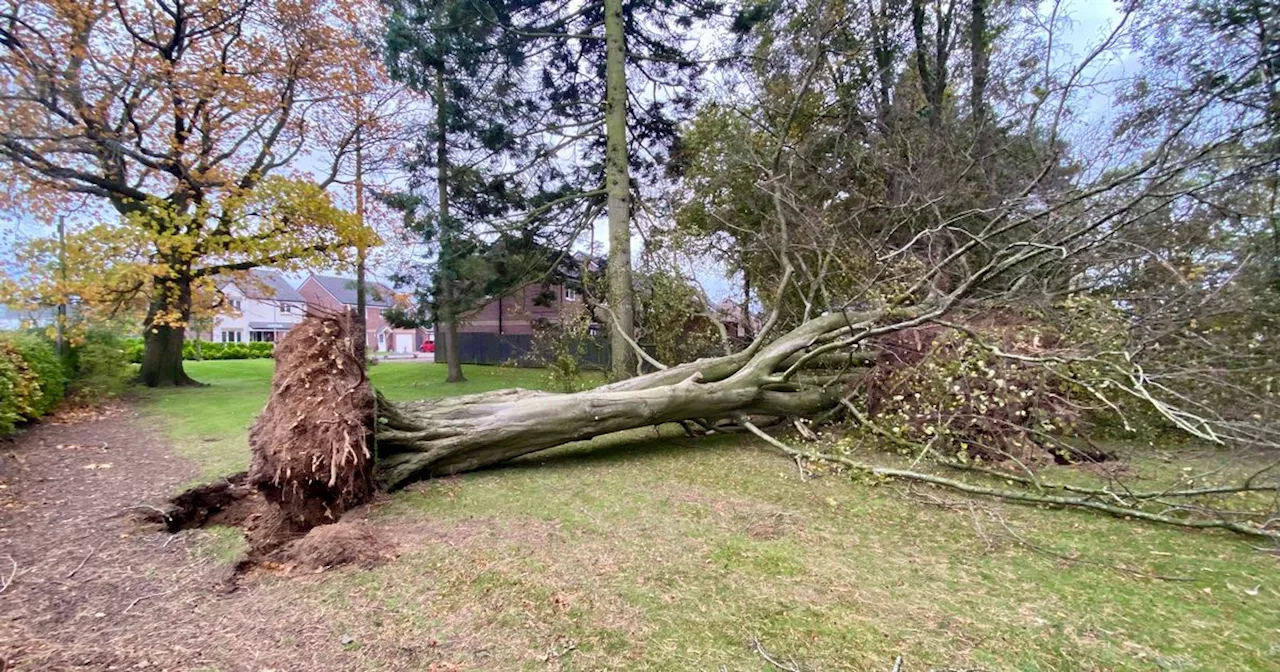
(62, 288)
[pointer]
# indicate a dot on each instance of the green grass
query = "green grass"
(651, 551)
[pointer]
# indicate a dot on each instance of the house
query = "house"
(333, 293)
(257, 305)
(739, 323)
(519, 311)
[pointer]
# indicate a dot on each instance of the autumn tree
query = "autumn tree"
(181, 118)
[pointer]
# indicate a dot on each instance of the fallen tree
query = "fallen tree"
(324, 439)
(430, 438)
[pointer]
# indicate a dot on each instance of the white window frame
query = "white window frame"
(236, 304)
(570, 294)
(286, 308)
(232, 336)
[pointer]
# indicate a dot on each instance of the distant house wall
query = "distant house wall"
(317, 296)
(517, 313)
(378, 336)
(238, 325)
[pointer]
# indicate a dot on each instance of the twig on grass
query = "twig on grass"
(144, 597)
(13, 574)
(1075, 558)
(755, 642)
(1080, 502)
(86, 559)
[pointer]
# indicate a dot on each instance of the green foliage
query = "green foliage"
(559, 347)
(674, 320)
(33, 379)
(200, 350)
(99, 365)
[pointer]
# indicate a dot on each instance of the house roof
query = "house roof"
(265, 284)
(344, 290)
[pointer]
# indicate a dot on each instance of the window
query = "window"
(262, 336)
(235, 304)
(232, 336)
(286, 308)
(570, 294)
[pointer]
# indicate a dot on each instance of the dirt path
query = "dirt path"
(88, 587)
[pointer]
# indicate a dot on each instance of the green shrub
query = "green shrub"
(207, 350)
(33, 379)
(100, 365)
(17, 386)
(48, 367)
(133, 350)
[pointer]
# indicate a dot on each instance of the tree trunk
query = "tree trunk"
(450, 317)
(430, 438)
(980, 58)
(360, 321)
(621, 297)
(164, 332)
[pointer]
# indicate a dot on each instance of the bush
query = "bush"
(100, 365)
(197, 350)
(33, 379)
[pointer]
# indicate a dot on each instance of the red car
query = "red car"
(428, 346)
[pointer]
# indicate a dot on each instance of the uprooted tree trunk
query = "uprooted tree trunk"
(437, 437)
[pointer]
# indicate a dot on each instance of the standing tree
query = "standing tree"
(610, 80)
(501, 206)
(176, 115)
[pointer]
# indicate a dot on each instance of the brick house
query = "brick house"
(257, 305)
(518, 312)
(333, 293)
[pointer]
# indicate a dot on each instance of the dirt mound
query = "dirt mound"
(312, 444)
(336, 545)
(226, 502)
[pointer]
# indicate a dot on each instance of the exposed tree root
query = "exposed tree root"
(312, 456)
(311, 445)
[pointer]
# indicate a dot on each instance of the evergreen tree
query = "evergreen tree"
(492, 197)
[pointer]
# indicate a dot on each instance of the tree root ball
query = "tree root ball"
(312, 445)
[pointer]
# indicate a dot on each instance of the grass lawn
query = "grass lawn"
(650, 551)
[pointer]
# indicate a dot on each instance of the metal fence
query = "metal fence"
(517, 350)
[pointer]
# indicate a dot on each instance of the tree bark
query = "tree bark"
(450, 317)
(360, 321)
(980, 58)
(430, 438)
(621, 297)
(163, 336)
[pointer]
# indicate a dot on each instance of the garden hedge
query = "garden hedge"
(33, 379)
(208, 350)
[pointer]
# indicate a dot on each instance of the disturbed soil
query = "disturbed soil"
(87, 584)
